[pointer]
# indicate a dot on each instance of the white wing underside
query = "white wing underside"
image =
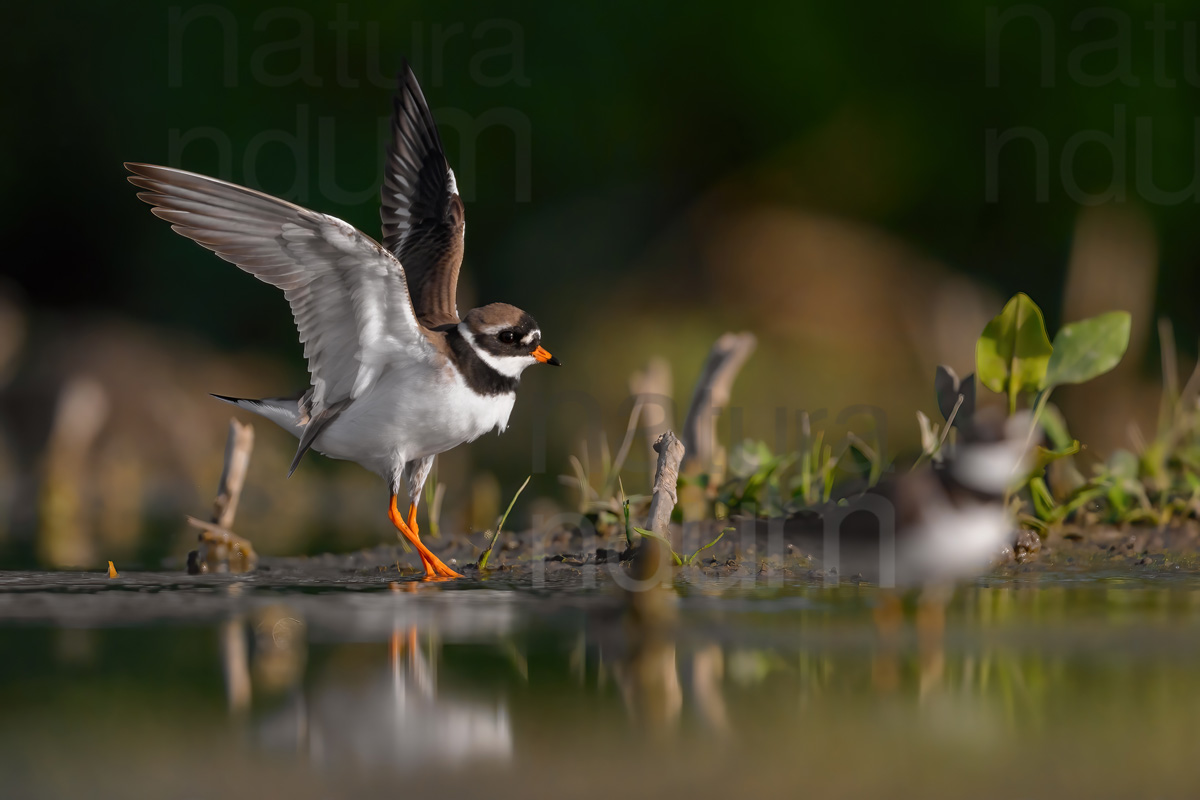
(348, 295)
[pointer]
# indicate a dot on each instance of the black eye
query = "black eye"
(508, 337)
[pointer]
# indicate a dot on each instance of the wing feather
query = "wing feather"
(348, 295)
(423, 216)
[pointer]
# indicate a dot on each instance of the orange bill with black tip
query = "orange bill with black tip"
(543, 355)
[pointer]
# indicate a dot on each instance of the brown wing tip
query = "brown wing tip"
(147, 176)
(157, 172)
(405, 76)
(139, 168)
(139, 174)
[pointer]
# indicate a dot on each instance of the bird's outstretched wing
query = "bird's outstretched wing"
(423, 218)
(347, 293)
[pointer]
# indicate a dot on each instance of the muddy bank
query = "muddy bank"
(752, 548)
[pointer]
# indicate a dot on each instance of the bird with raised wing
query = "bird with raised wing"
(396, 375)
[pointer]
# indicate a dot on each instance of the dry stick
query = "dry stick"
(235, 663)
(671, 453)
(217, 536)
(238, 447)
(652, 559)
(711, 395)
(211, 527)
(217, 541)
(652, 555)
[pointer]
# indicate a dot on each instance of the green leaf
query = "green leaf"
(1120, 501)
(1043, 457)
(1043, 503)
(859, 463)
(1013, 351)
(692, 558)
(1081, 497)
(1086, 349)
(1055, 426)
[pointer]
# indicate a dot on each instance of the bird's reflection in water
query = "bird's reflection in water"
(397, 683)
(930, 623)
(395, 717)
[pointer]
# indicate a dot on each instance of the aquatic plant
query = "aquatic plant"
(1158, 480)
(1014, 356)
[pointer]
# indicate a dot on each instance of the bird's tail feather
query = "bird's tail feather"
(283, 411)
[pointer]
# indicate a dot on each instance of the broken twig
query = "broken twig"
(711, 396)
(238, 447)
(666, 478)
(653, 557)
(222, 550)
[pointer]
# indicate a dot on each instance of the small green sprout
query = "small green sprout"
(625, 511)
(676, 558)
(487, 554)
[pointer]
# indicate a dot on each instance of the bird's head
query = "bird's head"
(506, 338)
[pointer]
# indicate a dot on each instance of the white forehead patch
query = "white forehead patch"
(531, 336)
(453, 184)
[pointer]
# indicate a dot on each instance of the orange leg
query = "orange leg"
(434, 568)
(431, 562)
(395, 648)
(396, 645)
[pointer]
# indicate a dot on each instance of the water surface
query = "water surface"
(157, 686)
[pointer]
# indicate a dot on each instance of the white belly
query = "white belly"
(955, 543)
(408, 416)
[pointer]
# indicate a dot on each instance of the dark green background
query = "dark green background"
(633, 112)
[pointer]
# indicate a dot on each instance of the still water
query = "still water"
(158, 686)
